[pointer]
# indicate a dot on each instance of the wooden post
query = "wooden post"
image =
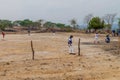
(79, 47)
(119, 42)
(33, 52)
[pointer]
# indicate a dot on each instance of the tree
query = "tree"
(39, 23)
(17, 23)
(60, 25)
(109, 19)
(4, 24)
(26, 23)
(102, 24)
(87, 19)
(49, 24)
(96, 23)
(119, 23)
(73, 23)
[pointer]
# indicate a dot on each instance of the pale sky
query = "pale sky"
(57, 10)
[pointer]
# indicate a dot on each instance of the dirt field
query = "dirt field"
(52, 60)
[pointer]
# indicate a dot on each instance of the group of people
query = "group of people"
(107, 39)
(96, 40)
(116, 33)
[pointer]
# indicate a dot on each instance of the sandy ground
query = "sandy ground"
(52, 60)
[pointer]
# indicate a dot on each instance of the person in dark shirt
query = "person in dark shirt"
(107, 40)
(113, 32)
(70, 44)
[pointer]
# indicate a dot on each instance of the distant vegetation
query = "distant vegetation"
(40, 25)
(93, 22)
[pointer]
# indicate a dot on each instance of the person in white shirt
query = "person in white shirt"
(96, 38)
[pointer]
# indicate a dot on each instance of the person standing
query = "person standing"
(29, 30)
(96, 38)
(3, 34)
(70, 44)
(107, 40)
(53, 31)
(119, 32)
(113, 33)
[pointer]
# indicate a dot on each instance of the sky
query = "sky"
(59, 11)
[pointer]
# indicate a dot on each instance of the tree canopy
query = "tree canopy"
(26, 23)
(96, 23)
(4, 24)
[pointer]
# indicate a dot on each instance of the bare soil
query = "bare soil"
(53, 61)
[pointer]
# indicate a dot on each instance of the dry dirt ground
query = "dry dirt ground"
(52, 60)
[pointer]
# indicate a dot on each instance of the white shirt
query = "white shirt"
(96, 35)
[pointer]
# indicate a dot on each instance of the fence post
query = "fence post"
(119, 42)
(79, 47)
(33, 52)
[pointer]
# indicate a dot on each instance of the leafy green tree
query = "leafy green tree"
(4, 24)
(49, 24)
(60, 25)
(26, 23)
(96, 23)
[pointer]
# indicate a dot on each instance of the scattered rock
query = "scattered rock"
(7, 63)
(44, 64)
(110, 65)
